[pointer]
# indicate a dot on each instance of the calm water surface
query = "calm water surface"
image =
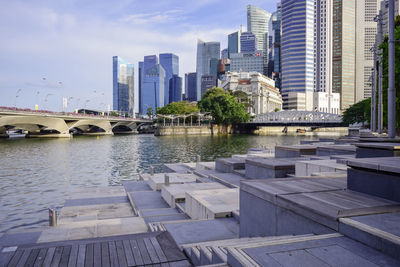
(38, 173)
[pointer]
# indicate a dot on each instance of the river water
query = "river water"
(38, 173)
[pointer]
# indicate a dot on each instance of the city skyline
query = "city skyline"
(65, 48)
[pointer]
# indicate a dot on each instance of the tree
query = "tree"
(358, 113)
(243, 98)
(224, 108)
(276, 109)
(178, 108)
(150, 112)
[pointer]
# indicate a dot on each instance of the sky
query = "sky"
(50, 49)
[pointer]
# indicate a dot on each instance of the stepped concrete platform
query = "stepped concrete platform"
(294, 151)
(229, 164)
(176, 192)
(307, 168)
(328, 150)
(176, 167)
(320, 250)
(376, 176)
(194, 231)
(231, 180)
(132, 186)
(210, 204)
(145, 200)
(373, 150)
(203, 165)
(257, 168)
(158, 180)
(129, 250)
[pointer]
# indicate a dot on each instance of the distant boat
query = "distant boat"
(16, 134)
(301, 131)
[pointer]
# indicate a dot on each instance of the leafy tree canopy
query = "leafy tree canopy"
(358, 113)
(224, 108)
(178, 108)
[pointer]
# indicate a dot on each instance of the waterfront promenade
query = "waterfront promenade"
(331, 202)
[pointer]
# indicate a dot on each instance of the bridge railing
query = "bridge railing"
(297, 116)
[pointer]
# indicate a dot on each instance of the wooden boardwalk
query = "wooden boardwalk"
(149, 249)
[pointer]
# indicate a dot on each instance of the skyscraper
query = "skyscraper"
(297, 54)
(247, 62)
(140, 74)
(258, 24)
(208, 54)
(248, 42)
(190, 86)
(123, 86)
(170, 64)
(234, 43)
(153, 84)
(175, 89)
(276, 45)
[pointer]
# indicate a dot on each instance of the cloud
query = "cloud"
(155, 17)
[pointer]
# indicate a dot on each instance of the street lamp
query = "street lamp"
(45, 100)
(16, 97)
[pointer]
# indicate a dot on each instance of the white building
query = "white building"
(323, 102)
(260, 89)
(247, 62)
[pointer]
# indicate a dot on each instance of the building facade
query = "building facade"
(123, 86)
(153, 85)
(366, 30)
(208, 54)
(234, 43)
(258, 24)
(140, 78)
(247, 62)
(207, 82)
(260, 89)
(175, 89)
(170, 64)
(248, 42)
(276, 45)
(190, 86)
(297, 44)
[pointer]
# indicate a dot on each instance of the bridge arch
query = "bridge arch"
(34, 124)
(88, 125)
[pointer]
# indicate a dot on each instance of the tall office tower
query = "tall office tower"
(344, 51)
(297, 54)
(175, 89)
(247, 62)
(276, 45)
(153, 84)
(190, 86)
(258, 24)
(225, 53)
(207, 82)
(170, 64)
(366, 30)
(123, 86)
(141, 66)
(384, 7)
(234, 43)
(248, 43)
(208, 54)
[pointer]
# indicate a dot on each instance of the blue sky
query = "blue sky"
(52, 48)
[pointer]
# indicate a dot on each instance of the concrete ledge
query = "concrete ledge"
(294, 151)
(327, 150)
(229, 164)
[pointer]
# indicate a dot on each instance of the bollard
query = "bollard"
(166, 179)
(198, 162)
(151, 170)
(52, 217)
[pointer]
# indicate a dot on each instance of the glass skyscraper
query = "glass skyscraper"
(153, 84)
(141, 66)
(248, 42)
(297, 54)
(276, 45)
(123, 86)
(170, 64)
(234, 43)
(190, 86)
(175, 89)
(208, 54)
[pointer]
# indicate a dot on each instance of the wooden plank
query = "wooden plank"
(80, 262)
(165, 264)
(130, 260)
(143, 251)
(65, 256)
(49, 257)
(168, 245)
(105, 255)
(15, 258)
(158, 250)
(113, 254)
(73, 256)
(57, 257)
(89, 255)
(40, 258)
(121, 253)
(32, 257)
(151, 250)
(136, 252)
(24, 257)
(97, 254)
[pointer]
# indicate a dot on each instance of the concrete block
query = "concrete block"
(229, 164)
(210, 204)
(373, 150)
(294, 151)
(328, 150)
(158, 180)
(307, 168)
(176, 192)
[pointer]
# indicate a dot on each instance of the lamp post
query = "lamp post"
(373, 92)
(45, 100)
(391, 89)
(16, 97)
(380, 22)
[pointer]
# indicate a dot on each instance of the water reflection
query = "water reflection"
(38, 173)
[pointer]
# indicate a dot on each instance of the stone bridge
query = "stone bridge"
(51, 124)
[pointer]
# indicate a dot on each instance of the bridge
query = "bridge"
(62, 124)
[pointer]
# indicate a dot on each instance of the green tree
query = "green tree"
(276, 109)
(178, 108)
(224, 108)
(150, 112)
(358, 113)
(243, 98)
